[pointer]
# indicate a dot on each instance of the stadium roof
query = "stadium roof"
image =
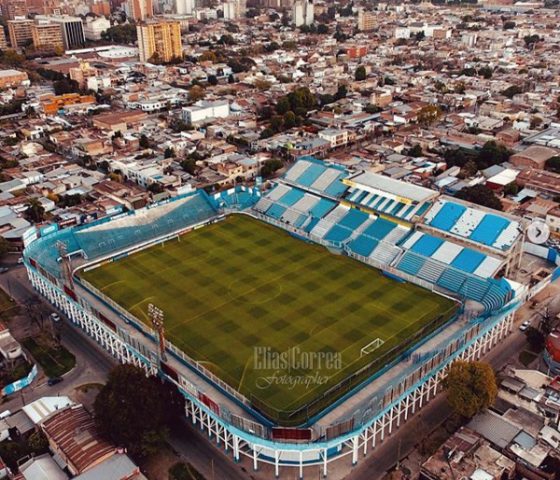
(394, 187)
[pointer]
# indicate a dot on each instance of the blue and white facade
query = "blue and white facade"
(317, 202)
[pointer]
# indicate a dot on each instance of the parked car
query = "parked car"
(55, 317)
(54, 380)
(3, 269)
(525, 325)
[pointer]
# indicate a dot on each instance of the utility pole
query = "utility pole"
(156, 316)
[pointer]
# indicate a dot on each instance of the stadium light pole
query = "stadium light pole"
(156, 315)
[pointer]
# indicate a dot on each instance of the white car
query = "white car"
(55, 317)
(525, 325)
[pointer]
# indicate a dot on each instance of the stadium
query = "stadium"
(356, 290)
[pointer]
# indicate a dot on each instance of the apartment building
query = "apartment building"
(159, 40)
(366, 20)
(46, 35)
(19, 31)
(140, 10)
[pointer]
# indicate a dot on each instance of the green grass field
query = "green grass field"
(240, 283)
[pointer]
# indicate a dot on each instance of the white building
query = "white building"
(94, 27)
(202, 110)
(303, 13)
(185, 7)
(230, 10)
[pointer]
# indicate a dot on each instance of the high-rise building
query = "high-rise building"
(3, 41)
(230, 10)
(185, 7)
(303, 13)
(366, 20)
(72, 29)
(19, 31)
(101, 7)
(159, 39)
(140, 10)
(46, 35)
(12, 9)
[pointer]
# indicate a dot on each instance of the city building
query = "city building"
(202, 111)
(140, 10)
(303, 13)
(19, 31)
(12, 9)
(3, 41)
(185, 7)
(72, 29)
(230, 10)
(101, 7)
(366, 20)
(94, 27)
(159, 40)
(82, 73)
(47, 35)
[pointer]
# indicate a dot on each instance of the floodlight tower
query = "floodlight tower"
(66, 263)
(156, 316)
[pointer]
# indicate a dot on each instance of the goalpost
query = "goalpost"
(371, 346)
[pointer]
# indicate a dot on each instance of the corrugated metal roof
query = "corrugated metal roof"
(394, 187)
(494, 428)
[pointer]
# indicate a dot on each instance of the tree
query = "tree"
(485, 72)
(531, 40)
(322, 29)
(169, 153)
(553, 164)
(492, 153)
(66, 86)
(120, 34)
(428, 114)
(360, 73)
(271, 166)
(290, 120)
(341, 92)
(471, 387)
(134, 411)
(509, 25)
(196, 93)
(415, 151)
(35, 212)
(144, 141)
(212, 80)
(481, 195)
(4, 246)
(262, 85)
(370, 108)
(511, 91)
(189, 165)
(266, 133)
(511, 189)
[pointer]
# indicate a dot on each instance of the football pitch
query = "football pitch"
(238, 292)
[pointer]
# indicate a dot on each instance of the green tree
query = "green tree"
(322, 29)
(481, 195)
(35, 212)
(360, 73)
(271, 166)
(471, 387)
(4, 246)
(492, 153)
(511, 189)
(169, 153)
(38, 442)
(428, 114)
(267, 133)
(212, 80)
(553, 164)
(144, 141)
(196, 93)
(509, 25)
(125, 33)
(415, 151)
(283, 105)
(290, 120)
(189, 166)
(511, 91)
(134, 410)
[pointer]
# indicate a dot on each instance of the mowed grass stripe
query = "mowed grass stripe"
(240, 283)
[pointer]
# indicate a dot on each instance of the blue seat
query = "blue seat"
(411, 264)
(448, 216)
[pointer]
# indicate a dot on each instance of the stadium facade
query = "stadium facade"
(410, 233)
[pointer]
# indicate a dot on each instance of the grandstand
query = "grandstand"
(456, 252)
